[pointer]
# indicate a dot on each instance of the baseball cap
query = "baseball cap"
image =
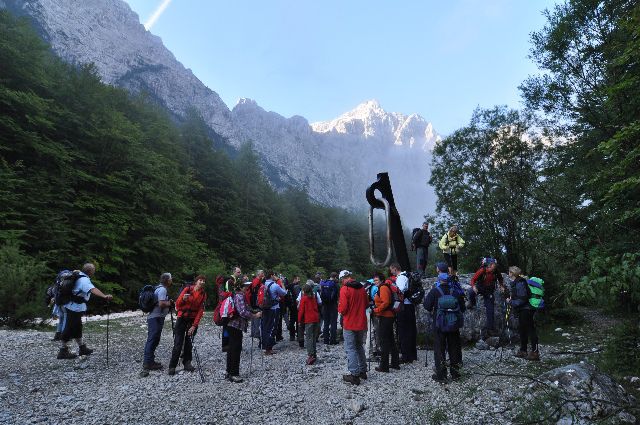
(343, 274)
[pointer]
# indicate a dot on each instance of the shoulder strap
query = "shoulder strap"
(440, 290)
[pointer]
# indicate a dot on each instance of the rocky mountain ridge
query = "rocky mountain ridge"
(335, 160)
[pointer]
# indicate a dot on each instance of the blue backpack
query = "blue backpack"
(328, 291)
(448, 315)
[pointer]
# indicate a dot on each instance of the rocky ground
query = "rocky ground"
(496, 387)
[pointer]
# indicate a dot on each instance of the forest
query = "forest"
(92, 173)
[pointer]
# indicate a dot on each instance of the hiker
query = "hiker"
(224, 292)
(371, 289)
(383, 311)
(270, 314)
(315, 288)
(445, 302)
(352, 306)
(190, 308)
(450, 244)
(293, 290)
(237, 325)
(484, 283)
(329, 296)
(308, 314)
(254, 288)
(155, 322)
(73, 311)
(519, 299)
(282, 311)
(420, 242)
(405, 319)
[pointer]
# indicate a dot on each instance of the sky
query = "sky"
(319, 59)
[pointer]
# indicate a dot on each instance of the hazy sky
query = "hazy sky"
(321, 58)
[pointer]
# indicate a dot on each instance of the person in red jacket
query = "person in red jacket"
(352, 306)
(190, 308)
(484, 282)
(309, 316)
(383, 310)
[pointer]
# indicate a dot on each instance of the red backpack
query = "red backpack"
(265, 300)
(397, 298)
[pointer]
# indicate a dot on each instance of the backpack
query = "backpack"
(52, 290)
(328, 292)
(147, 299)
(224, 311)
(65, 284)
(448, 315)
(536, 289)
(397, 300)
(413, 237)
(265, 300)
(415, 291)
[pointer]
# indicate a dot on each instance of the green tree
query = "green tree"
(341, 257)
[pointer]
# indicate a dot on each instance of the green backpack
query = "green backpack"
(536, 288)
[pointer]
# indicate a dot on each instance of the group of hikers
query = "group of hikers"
(313, 309)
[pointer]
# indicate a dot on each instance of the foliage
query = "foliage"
(91, 173)
(21, 287)
(620, 357)
(484, 174)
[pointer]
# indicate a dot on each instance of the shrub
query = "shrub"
(22, 286)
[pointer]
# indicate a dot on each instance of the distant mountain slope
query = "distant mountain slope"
(334, 160)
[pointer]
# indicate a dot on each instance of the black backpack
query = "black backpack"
(65, 284)
(415, 291)
(147, 299)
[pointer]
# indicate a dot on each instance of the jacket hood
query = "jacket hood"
(354, 284)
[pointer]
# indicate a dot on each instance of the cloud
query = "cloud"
(154, 17)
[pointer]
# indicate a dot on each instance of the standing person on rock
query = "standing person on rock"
(420, 242)
(329, 292)
(446, 307)
(450, 244)
(309, 315)
(236, 327)
(405, 319)
(352, 305)
(383, 311)
(271, 314)
(519, 300)
(155, 322)
(484, 283)
(190, 308)
(75, 309)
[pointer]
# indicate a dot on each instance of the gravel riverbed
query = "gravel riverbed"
(35, 387)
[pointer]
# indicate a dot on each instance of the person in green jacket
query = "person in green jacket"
(450, 244)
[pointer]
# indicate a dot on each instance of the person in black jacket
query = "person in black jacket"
(420, 242)
(519, 300)
(446, 334)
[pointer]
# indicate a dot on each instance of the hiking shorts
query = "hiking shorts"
(73, 325)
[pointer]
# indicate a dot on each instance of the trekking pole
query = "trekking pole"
(426, 345)
(195, 354)
(251, 356)
(108, 311)
(370, 338)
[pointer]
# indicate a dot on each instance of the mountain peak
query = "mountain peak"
(369, 121)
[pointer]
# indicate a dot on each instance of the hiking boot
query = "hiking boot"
(292, 338)
(171, 371)
(521, 354)
(152, 366)
(279, 338)
(188, 367)
(533, 356)
(301, 344)
(351, 379)
(363, 375)
(56, 337)
(234, 379)
(438, 378)
(65, 354)
(225, 348)
(269, 352)
(379, 369)
(455, 376)
(84, 351)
